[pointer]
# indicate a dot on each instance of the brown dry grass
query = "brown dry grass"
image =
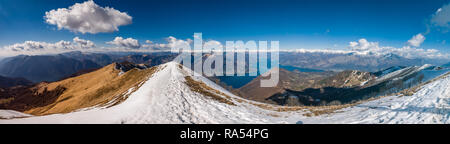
(96, 88)
(202, 88)
(6, 100)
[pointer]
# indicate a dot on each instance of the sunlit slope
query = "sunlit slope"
(104, 87)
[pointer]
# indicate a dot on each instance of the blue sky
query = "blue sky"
(310, 24)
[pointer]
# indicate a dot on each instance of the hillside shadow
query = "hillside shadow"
(318, 96)
(26, 98)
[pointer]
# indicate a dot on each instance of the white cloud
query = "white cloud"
(363, 44)
(441, 19)
(174, 42)
(36, 47)
(87, 17)
(125, 43)
(178, 43)
(362, 47)
(83, 43)
(373, 48)
(171, 42)
(416, 40)
(155, 46)
(212, 44)
(78, 44)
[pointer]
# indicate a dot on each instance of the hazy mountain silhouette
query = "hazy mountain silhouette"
(43, 68)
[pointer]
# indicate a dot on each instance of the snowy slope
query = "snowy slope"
(431, 104)
(165, 98)
(401, 73)
(396, 73)
(388, 70)
(8, 114)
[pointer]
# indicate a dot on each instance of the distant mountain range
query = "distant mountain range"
(55, 67)
(43, 68)
(9, 82)
(103, 59)
(350, 61)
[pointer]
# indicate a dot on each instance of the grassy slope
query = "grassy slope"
(92, 89)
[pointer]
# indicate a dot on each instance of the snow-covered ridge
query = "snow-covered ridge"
(400, 73)
(396, 73)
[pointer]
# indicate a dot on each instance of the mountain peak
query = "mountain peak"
(126, 66)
